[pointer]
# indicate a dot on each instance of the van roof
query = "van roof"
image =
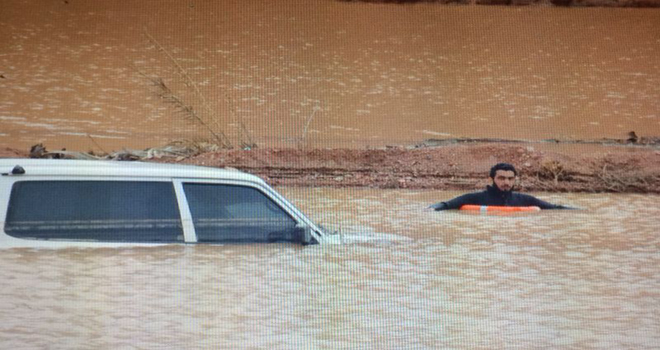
(105, 168)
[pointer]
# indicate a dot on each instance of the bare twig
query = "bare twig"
(232, 110)
(189, 113)
(97, 145)
(623, 178)
(309, 121)
(219, 135)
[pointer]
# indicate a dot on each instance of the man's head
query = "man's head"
(504, 176)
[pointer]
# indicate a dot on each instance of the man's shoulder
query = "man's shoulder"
(468, 198)
(476, 193)
(526, 199)
(522, 195)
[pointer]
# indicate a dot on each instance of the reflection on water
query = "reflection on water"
(313, 70)
(572, 279)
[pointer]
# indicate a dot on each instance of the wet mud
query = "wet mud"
(542, 168)
(461, 164)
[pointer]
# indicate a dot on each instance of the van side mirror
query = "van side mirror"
(302, 234)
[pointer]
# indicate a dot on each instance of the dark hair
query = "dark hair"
(502, 166)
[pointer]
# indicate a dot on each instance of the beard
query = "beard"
(510, 189)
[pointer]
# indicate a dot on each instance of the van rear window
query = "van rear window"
(108, 211)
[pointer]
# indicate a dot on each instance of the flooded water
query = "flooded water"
(322, 73)
(554, 279)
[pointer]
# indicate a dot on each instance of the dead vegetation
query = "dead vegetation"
(187, 111)
(203, 115)
(174, 151)
(453, 167)
(624, 176)
(302, 140)
(563, 3)
(457, 167)
(552, 169)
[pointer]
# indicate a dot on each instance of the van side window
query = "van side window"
(228, 213)
(106, 211)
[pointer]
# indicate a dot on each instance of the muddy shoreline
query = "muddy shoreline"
(452, 166)
(559, 3)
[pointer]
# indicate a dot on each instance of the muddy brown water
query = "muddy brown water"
(323, 73)
(418, 279)
(334, 74)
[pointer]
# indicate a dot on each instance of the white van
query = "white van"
(69, 203)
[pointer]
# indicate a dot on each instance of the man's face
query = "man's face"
(504, 180)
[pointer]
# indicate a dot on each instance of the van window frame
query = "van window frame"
(190, 235)
(4, 207)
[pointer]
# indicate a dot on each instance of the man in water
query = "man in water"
(500, 193)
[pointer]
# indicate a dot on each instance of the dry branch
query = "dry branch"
(214, 129)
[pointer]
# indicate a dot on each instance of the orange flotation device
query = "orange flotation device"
(496, 208)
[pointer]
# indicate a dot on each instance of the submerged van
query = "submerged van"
(68, 203)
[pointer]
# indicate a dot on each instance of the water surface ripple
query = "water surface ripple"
(558, 279)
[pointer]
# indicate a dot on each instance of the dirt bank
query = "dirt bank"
(552, 168)
(566, 3)
(610, 169)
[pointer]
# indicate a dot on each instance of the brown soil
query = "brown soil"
(570, 3)
(560, 168)
(613, 169)
(7, 152)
